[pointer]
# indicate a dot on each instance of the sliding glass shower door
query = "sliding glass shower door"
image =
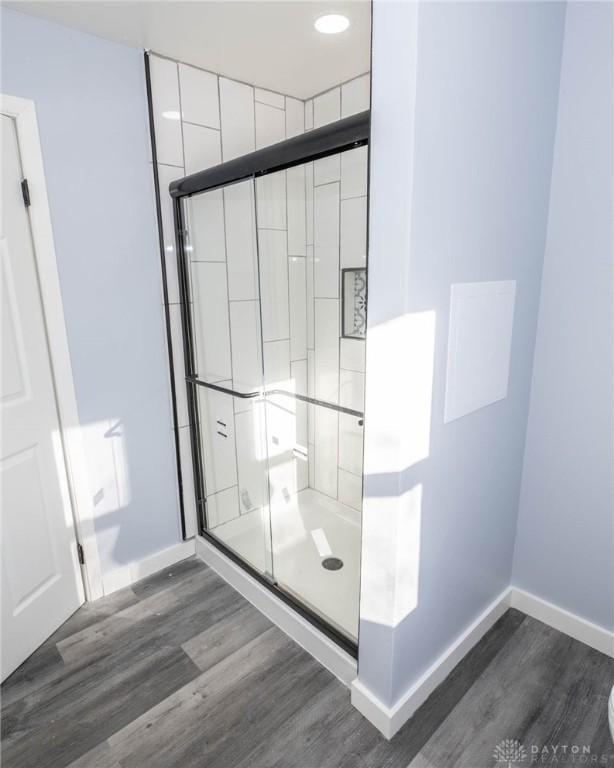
(274, 283)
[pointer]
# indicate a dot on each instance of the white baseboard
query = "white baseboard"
(327, 652)
(387, 719)
(140, 569)
(568, 623)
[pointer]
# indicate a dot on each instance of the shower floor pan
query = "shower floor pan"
(307, 530)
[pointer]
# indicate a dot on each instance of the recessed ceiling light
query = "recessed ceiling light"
(171, 115)
(331, 23)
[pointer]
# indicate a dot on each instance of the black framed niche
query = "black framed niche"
(354, 303)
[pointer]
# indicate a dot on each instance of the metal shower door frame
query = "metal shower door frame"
(335, 138)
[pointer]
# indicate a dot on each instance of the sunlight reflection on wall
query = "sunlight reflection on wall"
(397, 437)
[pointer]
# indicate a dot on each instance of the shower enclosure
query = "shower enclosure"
(273, 303)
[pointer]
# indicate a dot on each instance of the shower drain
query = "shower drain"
(332, 563)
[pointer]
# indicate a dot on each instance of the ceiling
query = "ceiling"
(269, 43)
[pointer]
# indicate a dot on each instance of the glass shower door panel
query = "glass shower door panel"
(308, 234)
(222, 267)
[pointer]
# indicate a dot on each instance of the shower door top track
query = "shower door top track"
(342, 135)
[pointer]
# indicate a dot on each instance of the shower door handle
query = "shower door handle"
(269, 392)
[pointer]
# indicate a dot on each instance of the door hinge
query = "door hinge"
(25, 191)
(80, 554)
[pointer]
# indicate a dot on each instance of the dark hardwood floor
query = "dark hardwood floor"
(180, 671)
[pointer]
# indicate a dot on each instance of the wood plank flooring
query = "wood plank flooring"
(180, 671)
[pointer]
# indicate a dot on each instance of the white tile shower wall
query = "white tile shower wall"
(200, 119)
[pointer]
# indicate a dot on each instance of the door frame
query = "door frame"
(75, 488)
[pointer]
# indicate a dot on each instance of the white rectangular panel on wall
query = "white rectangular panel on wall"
(479, 345)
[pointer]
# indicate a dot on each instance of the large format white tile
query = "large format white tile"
(326, 436)
(352, 354)
(311, 453)
(355, 95)
(187, 477)
(222, 507)
(327, 350)
(298, 374)
(311, 392)
(350, 444)
(206, 226)
(327, 107)
(287, 464)
(199, 96)
(309, 115)
(277, 364)
(166, 174)
(269, 97)
(273, 284)
(353, 245)
(309, 202)
(241, 241)
(270, 125)
(251, 457)
(327, 170)
(237, 110)
(167, 111)
(201, 147)
(295, 190)
(350, 489)
(354, 177)
(210, 307)
(218, 439)
(246, 348)
(295, 117)
(310, 297)
(181, 399)
(298, 307)
(326, 241)
(271, 200)
(352, 390)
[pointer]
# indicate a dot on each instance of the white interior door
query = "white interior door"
(41, 579)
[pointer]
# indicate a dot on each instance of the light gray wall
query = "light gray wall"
(565, 542)
(486, 98)
(91, 106)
